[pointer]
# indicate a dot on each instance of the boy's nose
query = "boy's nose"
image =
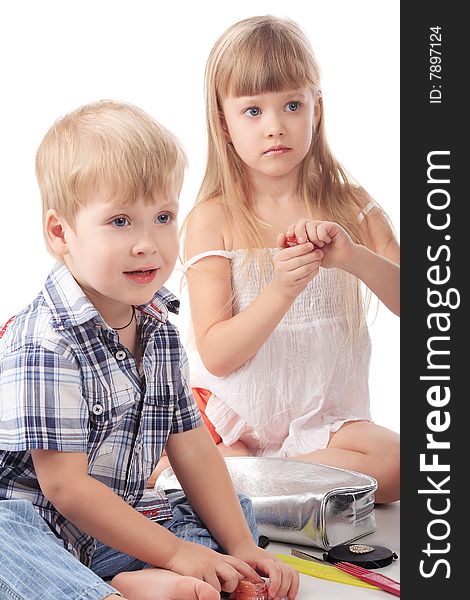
(145, 245)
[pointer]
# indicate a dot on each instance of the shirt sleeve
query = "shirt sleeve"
(41, 404)
(187, 414)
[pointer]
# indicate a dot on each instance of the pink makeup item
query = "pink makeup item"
(382, 581)
(249, 590)
(291, 240)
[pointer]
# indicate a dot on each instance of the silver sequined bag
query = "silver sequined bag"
(300, 502)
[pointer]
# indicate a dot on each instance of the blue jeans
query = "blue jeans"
(185, 524)
(34, 564)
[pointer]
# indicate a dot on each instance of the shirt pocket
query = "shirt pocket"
(162, 394)
(159, 406)
(158, 413)
(106, 413)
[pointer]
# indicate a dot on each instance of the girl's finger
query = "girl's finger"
(305, 273)
(323, 231)
(289, 253)
(281, 240)
(312, 233)
(301, 261)
(300, 232)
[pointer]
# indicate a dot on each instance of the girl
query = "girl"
(276, 248)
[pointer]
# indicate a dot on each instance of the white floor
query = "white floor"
(387, 534)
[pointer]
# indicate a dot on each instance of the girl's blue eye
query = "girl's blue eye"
(164, 218)
(253, 111)
(120, 221)
(292, 106)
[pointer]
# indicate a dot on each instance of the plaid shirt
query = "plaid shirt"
(67, 384)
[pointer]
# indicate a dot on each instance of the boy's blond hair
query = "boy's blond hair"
(110, 146)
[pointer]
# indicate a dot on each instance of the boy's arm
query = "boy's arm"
(97, 510)
(203, 474)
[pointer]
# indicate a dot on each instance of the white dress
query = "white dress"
(305, 381)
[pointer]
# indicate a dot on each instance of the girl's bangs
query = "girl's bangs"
(266, 60)
(266, 73)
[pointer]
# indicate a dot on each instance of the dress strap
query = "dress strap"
(369, 206)
(189, 263)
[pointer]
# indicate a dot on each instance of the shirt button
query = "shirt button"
(97, 409)
(130, 499)
(120, 355)
(89, 551)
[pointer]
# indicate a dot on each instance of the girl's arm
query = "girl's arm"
(380, 274)
(224, 341)
(383, 240)
(378, 267)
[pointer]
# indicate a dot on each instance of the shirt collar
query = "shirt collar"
(71, 307)
(161, 303)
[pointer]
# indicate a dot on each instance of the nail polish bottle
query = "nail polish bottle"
(249, 590)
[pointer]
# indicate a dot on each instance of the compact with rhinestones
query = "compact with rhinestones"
(363, 555)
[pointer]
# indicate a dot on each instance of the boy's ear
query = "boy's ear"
(55, 231)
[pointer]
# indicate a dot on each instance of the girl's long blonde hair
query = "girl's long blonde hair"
(269, 54)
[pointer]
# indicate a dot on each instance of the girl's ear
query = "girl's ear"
(55, 230)
(223, 124)
(317, 110)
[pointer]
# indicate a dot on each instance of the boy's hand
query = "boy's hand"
(283, 579)
(295, 265)
(221, 571)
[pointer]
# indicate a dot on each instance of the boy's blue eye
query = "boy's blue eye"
(164, 218)
(253, 111)
(292, 106)
(120, 221)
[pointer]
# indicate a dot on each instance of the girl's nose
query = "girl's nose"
(275, 127)
(275, 130)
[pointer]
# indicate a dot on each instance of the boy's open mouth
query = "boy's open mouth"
(141, 276)
(140, 272)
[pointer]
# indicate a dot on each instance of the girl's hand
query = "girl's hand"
(283, 579)
(221, 571)
(295, 266)
(338, 247)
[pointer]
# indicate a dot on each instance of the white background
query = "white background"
(57, 55)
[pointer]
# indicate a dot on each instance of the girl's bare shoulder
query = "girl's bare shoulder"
(378, 223)
(367, 208)
(207, 227)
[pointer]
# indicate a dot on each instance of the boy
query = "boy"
(92, 389)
